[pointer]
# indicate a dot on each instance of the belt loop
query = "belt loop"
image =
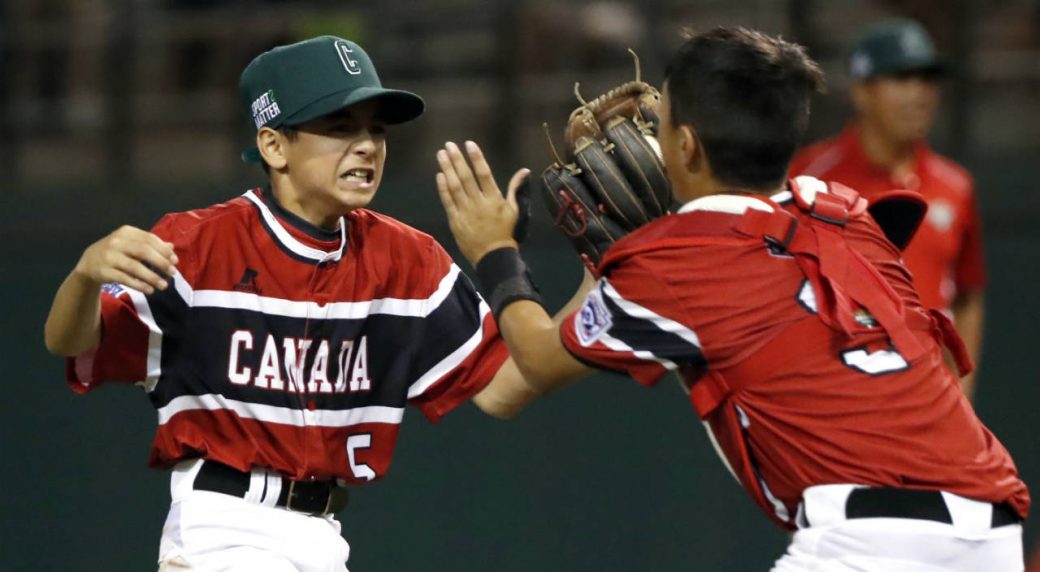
(800, 520)
(289, 494)
(969, 516)
(328, 503)
(825, 504)
(274, 488)
(257, 484)
(182, 478)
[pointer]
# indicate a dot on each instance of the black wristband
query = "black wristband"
(504, 279)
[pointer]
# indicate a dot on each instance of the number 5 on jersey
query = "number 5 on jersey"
(360, 470)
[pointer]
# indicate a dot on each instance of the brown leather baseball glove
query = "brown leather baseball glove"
(610, 179)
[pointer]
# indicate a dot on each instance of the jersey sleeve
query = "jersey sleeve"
(622, 327)
(458, 350)
(133, 326)
(970, 270)
(121, 355)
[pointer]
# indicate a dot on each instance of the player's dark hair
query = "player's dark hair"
(291, 133)
(746, 95)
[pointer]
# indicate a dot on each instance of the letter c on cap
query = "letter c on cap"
(344, 52)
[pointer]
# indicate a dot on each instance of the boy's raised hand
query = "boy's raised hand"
(130, 256)
(481, 219)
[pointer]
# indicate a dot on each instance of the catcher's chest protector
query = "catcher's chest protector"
(852, 297)
(852, 300)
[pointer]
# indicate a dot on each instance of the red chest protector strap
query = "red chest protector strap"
(844, 281)
(846, 285)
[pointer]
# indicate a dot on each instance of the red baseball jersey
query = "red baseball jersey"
(946, 254)
(282, 345)
(808, 353)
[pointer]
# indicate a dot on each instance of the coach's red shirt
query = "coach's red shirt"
(946, 255)
(690, 294)
(282, 345)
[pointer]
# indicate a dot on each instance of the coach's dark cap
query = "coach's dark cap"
(895, 47)
(290, 85)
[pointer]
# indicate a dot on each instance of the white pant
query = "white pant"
(214, 532)
(833, 543)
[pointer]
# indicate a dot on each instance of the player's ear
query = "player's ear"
(690, 148)
(271, 144)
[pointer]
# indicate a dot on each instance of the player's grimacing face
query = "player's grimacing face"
(903, 107)
(336, 162)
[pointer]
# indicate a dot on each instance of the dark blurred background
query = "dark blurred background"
(115, 111)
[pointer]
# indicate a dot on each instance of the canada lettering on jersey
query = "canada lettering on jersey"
(280, 364)
(227, 352)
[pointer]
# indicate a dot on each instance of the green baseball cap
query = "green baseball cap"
(293, 84)
(894, 46)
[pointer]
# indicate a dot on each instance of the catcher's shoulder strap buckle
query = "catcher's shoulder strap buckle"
(830, 209)
(831, 203)
(778, 228)
(854, 202)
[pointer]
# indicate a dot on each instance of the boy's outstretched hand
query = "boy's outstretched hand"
(129, 256)
(481, 219)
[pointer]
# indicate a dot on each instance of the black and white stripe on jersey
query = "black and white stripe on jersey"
(166, 310)
(444, 343)
(409, 345)
(648, 335)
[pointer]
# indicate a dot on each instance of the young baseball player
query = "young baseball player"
(789, 317)
(895, 93)
(279, 335)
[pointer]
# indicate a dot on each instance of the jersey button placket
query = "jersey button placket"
(323, 314)
(317, 316)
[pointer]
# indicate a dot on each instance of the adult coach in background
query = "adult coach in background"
(895, 93)
(789, 317)
(280, 335)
